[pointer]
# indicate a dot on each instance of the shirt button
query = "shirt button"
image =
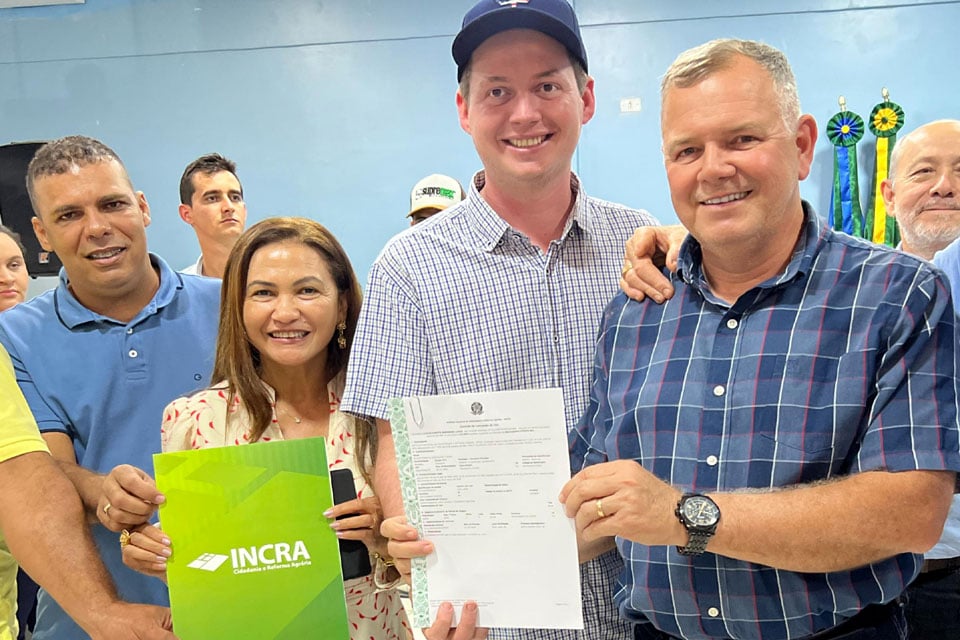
(718, 390)
(132, 353)
(130, 330)
(732, 323)
(713, 612)
(712, 461)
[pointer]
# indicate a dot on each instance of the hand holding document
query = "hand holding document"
(480, 474)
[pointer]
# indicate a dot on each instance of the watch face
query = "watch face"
(700, 511)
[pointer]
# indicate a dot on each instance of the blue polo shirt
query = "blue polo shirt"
(105, 383)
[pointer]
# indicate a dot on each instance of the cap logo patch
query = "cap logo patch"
(436, 191)
(512, 3)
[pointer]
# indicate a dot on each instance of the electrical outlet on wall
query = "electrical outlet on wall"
(630, 105)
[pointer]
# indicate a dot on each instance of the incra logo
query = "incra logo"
(208, 562)
(268, 557)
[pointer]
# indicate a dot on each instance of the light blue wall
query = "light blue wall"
(334, 108)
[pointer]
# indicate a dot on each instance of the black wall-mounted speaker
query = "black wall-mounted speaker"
(15, 208)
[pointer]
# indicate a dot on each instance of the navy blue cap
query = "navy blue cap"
(554, 18)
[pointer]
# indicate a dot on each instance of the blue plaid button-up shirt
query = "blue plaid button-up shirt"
(463, 302)
(846, 362)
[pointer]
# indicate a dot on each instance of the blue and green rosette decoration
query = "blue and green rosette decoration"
(845, 130)
(886, 120)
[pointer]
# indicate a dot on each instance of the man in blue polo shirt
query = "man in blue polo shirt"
(52, 543)
(99, 357)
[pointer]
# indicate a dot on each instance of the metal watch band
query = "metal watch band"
(696, 544)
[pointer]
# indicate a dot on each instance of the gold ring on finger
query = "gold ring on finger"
(626, 268)
(124, 538)
(600, 514)
(106, 509)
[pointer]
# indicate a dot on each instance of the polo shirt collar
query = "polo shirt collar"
(490, 228)
(74, 314)
(690, 260)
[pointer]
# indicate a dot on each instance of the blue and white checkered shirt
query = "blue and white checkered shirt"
(844, 363)
(463, 302)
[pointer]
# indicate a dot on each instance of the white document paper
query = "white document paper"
(480, 475)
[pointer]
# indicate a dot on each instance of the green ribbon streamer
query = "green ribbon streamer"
(846, 193)
(845, 129)
(886, 120)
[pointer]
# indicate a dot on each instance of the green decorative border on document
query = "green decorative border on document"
(397, 415)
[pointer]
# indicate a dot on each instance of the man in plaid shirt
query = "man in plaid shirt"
(775, 446)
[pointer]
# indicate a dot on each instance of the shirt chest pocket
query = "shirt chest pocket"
(808, 415)
(799, 369)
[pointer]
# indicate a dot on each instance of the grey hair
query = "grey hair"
(693, 65)
(60, 156)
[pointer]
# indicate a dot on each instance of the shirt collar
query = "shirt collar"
(74, 314)
(491, 228)
(690, 260)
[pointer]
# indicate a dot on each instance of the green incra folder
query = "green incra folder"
(253, 555)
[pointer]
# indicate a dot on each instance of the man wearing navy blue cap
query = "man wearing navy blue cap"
(555, 19)
(505, 289)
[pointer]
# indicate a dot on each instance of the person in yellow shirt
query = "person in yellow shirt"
(42, 525)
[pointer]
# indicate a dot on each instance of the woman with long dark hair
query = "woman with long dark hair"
(288, 311)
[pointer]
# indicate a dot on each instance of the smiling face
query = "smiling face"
(13, 273)
(524, 110)
(924, 190)
(95, 222)
(216, 211)
(291, 307)
(732, 164)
